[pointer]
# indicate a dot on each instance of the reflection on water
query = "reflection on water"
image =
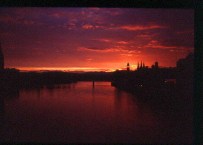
(80, 112)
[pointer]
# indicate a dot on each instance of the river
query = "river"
(81, 113)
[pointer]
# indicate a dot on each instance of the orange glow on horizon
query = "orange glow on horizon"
(65, 69)
(72, 69)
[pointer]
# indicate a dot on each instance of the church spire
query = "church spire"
(138, 65)
(128, 66)
(141, 65)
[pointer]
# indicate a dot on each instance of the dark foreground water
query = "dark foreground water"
(79, 113)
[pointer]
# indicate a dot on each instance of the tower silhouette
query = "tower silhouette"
(138, 65)
(156, 64)
(1, 58)
(128, 66)
(141, 65)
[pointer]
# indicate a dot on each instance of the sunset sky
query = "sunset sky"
(94, 39)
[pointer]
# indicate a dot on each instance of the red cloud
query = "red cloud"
(123, 42)
(109, 50)
(155, 44)
(87, 26)
(98, 50)
(103, 40)
(139, 27)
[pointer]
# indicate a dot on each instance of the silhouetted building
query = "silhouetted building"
(1, 59)
(186, 63)
(146, 80)
(185, 72)
(155, 65)
(138, 65)
(141, 66)
(128, 66)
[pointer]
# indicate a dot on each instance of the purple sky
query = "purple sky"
(94, 38)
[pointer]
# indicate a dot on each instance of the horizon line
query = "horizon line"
(73, 69)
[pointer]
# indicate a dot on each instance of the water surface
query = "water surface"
(81, 113)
